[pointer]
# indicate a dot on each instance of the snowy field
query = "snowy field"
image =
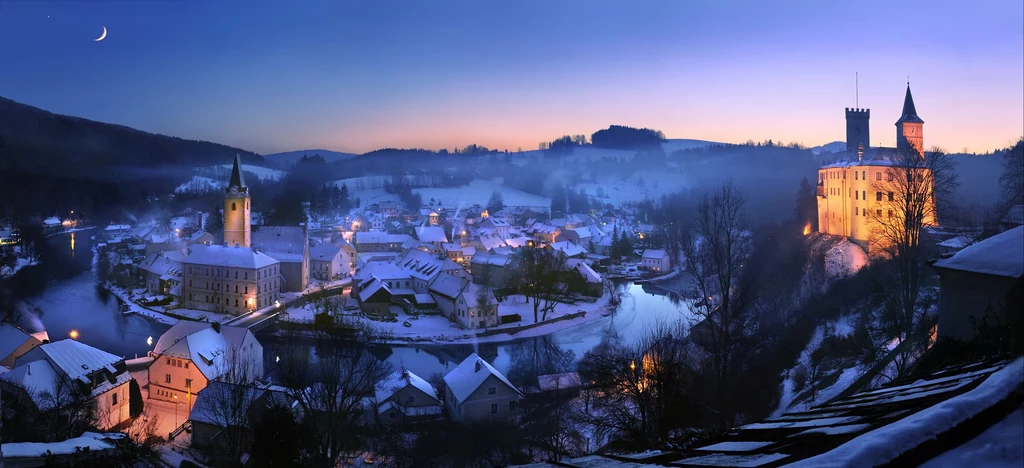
(479, 191)
(263, 173)
(794, 401)
(636, 187)
(199, 184)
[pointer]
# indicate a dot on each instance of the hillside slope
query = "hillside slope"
(40, 141)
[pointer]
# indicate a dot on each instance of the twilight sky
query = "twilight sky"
(355, 75)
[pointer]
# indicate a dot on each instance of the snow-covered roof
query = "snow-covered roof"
(423, 299)
(51, 221)
(448, 286)
(373, 287)
(655, 254)
(541, 228)
(495, 222)
(517, 242)
(398, 380)
(558, 381)
(451, 247)
(463, 380)
(491, 242)
(224, 256)
(371, 237)
(568, 248)
(424, 265)
(434, 234)
(35, 377)
(588, 273)
(957, 242)
(486, 258)
(999, 255)
(11, 338)
(468, 251)
(200, 343)
(117, 227)
(323, 252)
(163, 263)
(74, 359)
(283, 243)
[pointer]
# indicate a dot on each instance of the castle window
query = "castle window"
(856, 210)
(856, 195)
(878, 213)
(878, 196)
(890, 196)
(863, 194)
(855, 174)
(878, 176)
(844, 175)
(233, 207)
(864, 175)
(890, 213)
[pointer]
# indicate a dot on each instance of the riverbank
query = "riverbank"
(436, 330)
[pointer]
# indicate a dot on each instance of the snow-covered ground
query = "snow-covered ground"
(199, 184)
(479, 191)
(426, 329)
(793, 401)
(636, 187)
(134, 308)
(19, 263)
(844, 259)
(263, 173)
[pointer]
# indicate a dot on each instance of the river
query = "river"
(63, 289)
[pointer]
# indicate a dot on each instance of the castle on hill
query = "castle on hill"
(856, 194)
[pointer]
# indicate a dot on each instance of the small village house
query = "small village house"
(405, 397)
(655, 261)
(982, 285)
(475, 390)
(459, 300)
(328, 262)
(189, 355)
(44, 377)
(226, 413)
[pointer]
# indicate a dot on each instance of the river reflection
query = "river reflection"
(642, 308)
(61, 295)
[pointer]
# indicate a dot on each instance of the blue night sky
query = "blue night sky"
(357, 75)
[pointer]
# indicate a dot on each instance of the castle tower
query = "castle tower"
(857, 130)
(236, 209)
(910, 127)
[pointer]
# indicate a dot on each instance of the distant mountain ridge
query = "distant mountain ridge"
(291, 157)
(37, 140)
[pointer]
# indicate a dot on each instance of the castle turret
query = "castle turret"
(237, 219)
(857, 129)
(910, 127)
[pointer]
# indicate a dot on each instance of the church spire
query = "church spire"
(237, 180)
(909, 110)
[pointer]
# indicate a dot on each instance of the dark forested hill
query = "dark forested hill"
(38, 141)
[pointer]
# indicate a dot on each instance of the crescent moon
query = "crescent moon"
(102, 36)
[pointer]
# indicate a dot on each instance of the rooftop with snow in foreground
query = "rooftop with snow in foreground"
(999, 255)
(942, 416)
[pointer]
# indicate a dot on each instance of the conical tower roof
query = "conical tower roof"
(909, 110)
(237, 181)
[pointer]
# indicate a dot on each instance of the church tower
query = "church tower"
(910, 127)
(236, 209)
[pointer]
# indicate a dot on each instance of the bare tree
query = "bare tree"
(715, 251)
(907, 200)
(228, 404)
(68, 409)
(330, 384)
(539, 274)
(638, 392)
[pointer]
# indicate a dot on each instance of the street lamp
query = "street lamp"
(73, 334)
(175, 410)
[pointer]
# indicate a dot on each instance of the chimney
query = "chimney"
(477, 366)
(216, 326)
